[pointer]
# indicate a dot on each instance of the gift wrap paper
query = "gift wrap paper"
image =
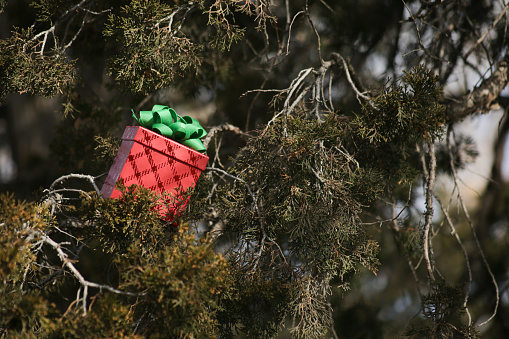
(153, 161)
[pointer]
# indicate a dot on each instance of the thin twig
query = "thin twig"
(89, 178)
(342, 62)
(290, 32)
(319, 47)
(223, 128)
(474, 233)
(481, 39)
(418, 32)
(465, 254)
(75, 272)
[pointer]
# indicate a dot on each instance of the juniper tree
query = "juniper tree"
(313, 190)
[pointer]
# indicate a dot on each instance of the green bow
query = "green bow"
(165, 121)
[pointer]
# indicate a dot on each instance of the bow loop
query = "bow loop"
(165, 121)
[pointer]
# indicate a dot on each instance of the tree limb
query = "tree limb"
(482, 97)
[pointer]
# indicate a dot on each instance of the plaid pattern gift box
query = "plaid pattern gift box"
(148, 159)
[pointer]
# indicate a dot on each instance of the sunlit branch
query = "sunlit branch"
(430, 186)
(342, 62)
(86, 177)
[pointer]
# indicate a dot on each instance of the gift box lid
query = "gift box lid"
(166, 146)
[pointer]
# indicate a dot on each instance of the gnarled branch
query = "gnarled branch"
(482, 97)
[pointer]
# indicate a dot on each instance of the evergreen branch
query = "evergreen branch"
(189, 7)
(255, 207)
(235, 178)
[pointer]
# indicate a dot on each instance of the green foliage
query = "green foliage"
(288, 218)
(107, 317)
(17, 219)
(178, 287)
(22, 70)
(151, 48)
(174, 278)
(51, 10)
(89, 130)
(442, 308)
(258, 302)
(107, 148)
(314, 211)
(399, 118)
(149, 54)
(121, 222)
(220, 16)
(21, 311)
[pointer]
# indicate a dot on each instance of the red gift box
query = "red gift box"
(155, 162)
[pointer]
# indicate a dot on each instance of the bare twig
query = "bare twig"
(482, 37)
(52, 30)
(235, 178)
(394, 216)
(89, 178)
(223, 128)
(418, 32)
(463, 250)
(64, 258)
(341, 61)
(290, 31)
(319, 47)
(474, 233)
